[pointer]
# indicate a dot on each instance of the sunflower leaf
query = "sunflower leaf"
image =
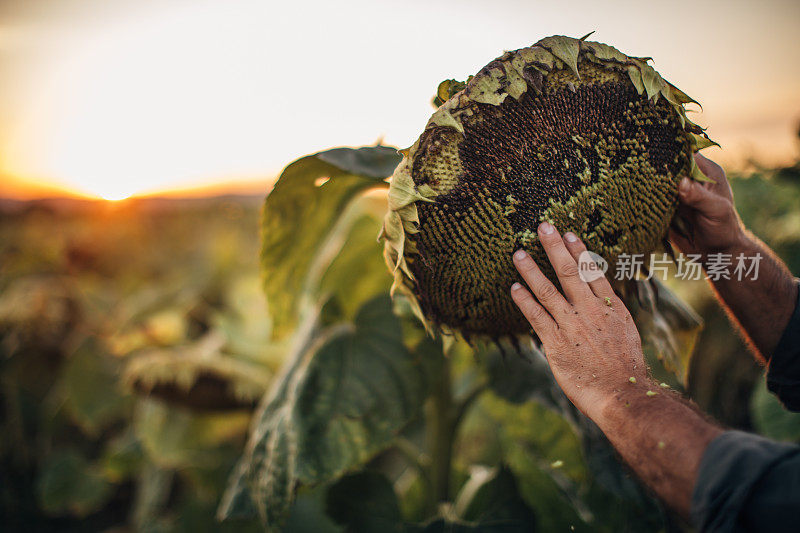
(340, 402)
(301, 216)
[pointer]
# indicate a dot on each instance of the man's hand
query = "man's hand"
(595, 353)
(589, 337)
(761, 304)
(708, 209)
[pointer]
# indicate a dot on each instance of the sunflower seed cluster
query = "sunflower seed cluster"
(584, 148)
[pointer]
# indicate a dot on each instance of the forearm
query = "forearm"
(761, 306)
(660, 436)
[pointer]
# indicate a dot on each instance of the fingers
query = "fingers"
(539, 319)
(595, 277)
(710, 168)
(543, 288)
(694, 195)
(564, 264)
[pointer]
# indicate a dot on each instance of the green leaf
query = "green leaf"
(90, 381)
(615, 499)
(122, 458)
(447, 525)
(358, 273)
(338, 404)
(153, 486)
(178, 438)
(491, 498)
(300, 221)
(770, 418)
(308, 514)
(364, 502)
(521, 377)
(69, 484)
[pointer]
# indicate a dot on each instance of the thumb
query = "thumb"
(694, 195)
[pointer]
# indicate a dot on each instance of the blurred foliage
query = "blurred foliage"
(143, 386)
(105, 311)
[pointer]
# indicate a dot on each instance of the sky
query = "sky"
(112, 98)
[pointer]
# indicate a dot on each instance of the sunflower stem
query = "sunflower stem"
(442, 434)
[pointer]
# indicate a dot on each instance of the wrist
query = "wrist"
(740, 242)
(620, 399)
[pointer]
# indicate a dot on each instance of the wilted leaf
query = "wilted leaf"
(301, 217)
(340, 402)
(69, 484)
(198, 376)
(36, 314)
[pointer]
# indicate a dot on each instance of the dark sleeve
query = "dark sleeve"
(783, 372)
(747, 483)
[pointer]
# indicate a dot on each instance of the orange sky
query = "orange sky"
(117, 98)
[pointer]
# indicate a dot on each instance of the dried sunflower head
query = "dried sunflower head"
(567, 131)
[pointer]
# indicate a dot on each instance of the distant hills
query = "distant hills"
(65, 205)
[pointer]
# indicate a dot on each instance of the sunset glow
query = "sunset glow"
(155, 97)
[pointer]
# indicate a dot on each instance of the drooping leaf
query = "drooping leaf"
(340, 402)
(300, 220)
(69, 484)
(199, 376)
(364, 502)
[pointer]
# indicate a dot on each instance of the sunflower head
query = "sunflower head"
(566, 131)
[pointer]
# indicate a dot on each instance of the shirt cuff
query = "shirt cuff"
(731, 465)
(783, 371)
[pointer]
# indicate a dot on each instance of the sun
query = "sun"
(102, 188)
(114, 197)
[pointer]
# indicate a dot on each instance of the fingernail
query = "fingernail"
(516, 287)
(685, 185)
(546, 228)
(570, 237)
(519, 255)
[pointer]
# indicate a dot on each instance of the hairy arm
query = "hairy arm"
(761, 307)
(595, 353)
